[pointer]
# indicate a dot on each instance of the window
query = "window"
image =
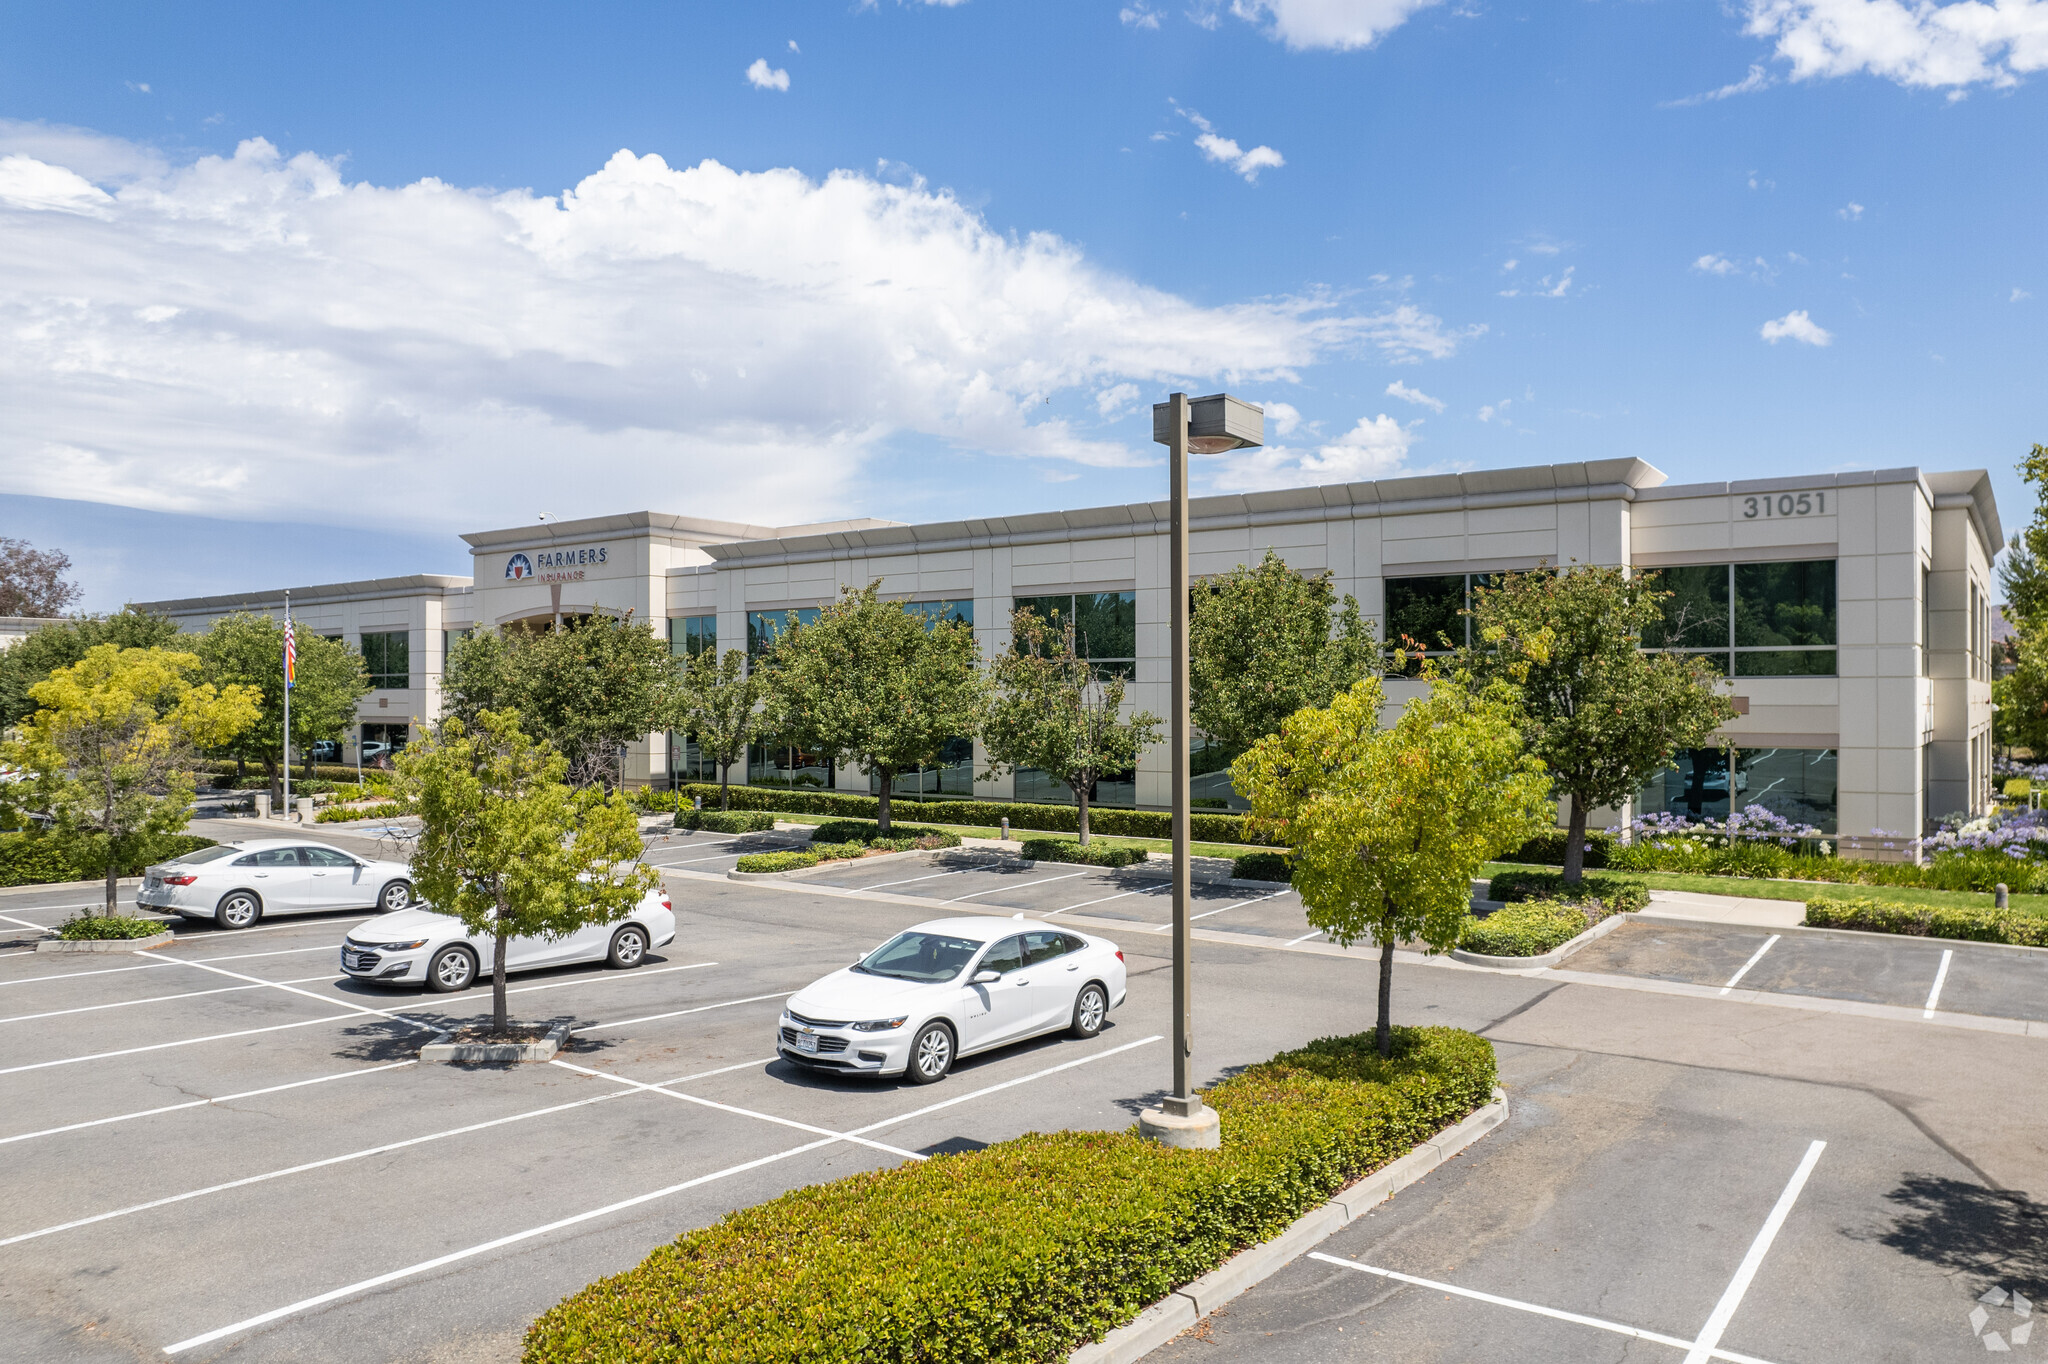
(784, 766)
(952, 774)
(1796, 783)
(381, 741)
(1752, 620)
(1926, 620)
(1040, 947)
(1105, 626)
(765, 627)
(1007, 955)
(689, 636)
(928, 957)
(327, 857)
(1113, 789)
(1427, 613)
(942, 612)
(388, 657)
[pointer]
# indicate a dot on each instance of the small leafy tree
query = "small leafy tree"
(473, 676)
(32, 581)
(111, 748)
(247, 649)
(1048, 710)
(60, 645)
(1266, 642)
(719, 705)
(2021, 690)
(874, 685)
(1389, 826)
(1602, 714)
(510, 848)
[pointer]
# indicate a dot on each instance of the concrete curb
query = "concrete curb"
(444, 1048)
(1185, 1306)
(106, 944)
(46, 887)
(1551, 958)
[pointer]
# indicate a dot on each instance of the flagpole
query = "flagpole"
(286, 662)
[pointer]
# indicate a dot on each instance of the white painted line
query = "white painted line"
(1755, 957)
(40, 928)
(308, 994)
(126, 1003)
(740, 1112)
(428, 1266)
(1717, 1322)
(1142, 890)
(678, 1013)
(181, 1042)
(202, 1103)
(1234, 904)
(1020, 885)
(101, 971)
(595, 978)
(1934, 995)
(908, 880)
(1303, 938)
(251, 956)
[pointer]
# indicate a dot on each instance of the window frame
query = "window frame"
(1730, 653)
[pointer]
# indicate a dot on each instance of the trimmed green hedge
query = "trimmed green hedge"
(1528, 929)
(102, 928)
(1616, 894)
(390, 809)
(1929, 921)
(40, 859)
(1018, 1253)
(1067, 850)
(726, 821)
(776, 861)
(867, 832)
(1547, 850)
(1262, 867)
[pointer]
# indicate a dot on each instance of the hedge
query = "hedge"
(868, 834)
(976, 813)
(1262, 867)
(100, 928)
(776, 861)
(1547, 850)
(254, 772)
(1094, 855)
(1616, 894)
(389, 809)
(726, 822)
(1528, 929)
(1026, 1249)
(1929, 921)
(40, 859)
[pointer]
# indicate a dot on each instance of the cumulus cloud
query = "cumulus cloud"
(1756, 80)
(1711, 264)
(1377, 447)
(1397, 389)
(1117, 399)
(1333, 25)
(2018, 294)
(1282, 418)
(1849, 213)
(1796, 326)
(255, 336)
(1920, 44)
(1224, 150)
(1139, 15)
(763, 77)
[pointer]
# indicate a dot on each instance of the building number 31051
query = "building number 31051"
(1784, 504)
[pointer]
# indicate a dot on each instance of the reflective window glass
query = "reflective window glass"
(935, 612)
(689, 636)
(1040, 947)
(1005, 956)
(388, 658)
(1696, 613)
(1780, 604)
(327, 857)
(1424, 613)
(765, 627)
(278, 857)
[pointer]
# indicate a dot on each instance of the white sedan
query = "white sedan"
(950, 988)
(235, 884)
(423, 946)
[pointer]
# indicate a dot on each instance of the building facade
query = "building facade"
(1852, 613)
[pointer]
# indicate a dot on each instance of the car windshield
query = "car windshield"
(198, 855)
(929, 957)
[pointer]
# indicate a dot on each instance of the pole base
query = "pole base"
(1200, 1130)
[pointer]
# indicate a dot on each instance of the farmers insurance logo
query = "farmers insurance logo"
(519, 568)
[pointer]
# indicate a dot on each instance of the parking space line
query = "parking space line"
(1934, 995)
(41, 928)
(678, 1013)
(126, 1003)
(909, 880)
(1303, 938)
(577, 1219)
(740, 1112)
(99, 971)
(201, 1103)
(1234, 904)
(1043, 880)
(1142, 890)
(1755, 957)
(282, 952)
(181, 1042)
(308, 994)
(1717, 1321)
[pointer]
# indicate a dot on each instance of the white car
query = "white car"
(950, 988)
(423, 946)
(235, 884)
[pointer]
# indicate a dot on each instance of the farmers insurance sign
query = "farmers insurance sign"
(555, 565)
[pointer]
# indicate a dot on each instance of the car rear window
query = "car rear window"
(199, 855)
(929, 957)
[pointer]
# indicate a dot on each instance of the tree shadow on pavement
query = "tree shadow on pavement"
(1994, 1238)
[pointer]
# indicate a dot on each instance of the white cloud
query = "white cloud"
(1282, 417)
(1849, 213)
(1117, 399)
(762, 77)
(1493, 412)
(1711, 264)
(794, 48)
(2018, 294)
(1796, 326)
(1756, 80)
(1397, 389)
(1564, 282)
(1335, 25)
(1919, 44)
(1139, 15)
(1510, 263)
(1222, 149)
(1377, 447)
(700, 337)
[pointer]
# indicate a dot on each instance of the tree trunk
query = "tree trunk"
(1081, 801)
(498, 1020)
(882, 804)
(241, 769)
(725, 786)
(1575, 843)
(113, 875)
(1384, 1034)
(271, 778)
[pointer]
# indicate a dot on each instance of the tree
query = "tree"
(111, 748)
(871, 684)
(32, 581)
(1048, 710)
(247, 649)
(473, 677)
(1602, 714)
(1266, 642)
(718, 704)
(511, 849)
(64, 643)
(2021, 694)
(1388, 826)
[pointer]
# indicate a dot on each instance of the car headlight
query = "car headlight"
(399, 946)
(881, 1024)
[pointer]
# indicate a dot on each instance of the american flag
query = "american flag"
(291, 656)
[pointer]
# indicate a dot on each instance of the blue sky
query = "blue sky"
(1453, 235)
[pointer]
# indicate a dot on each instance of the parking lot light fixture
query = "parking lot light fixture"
(1207, 426)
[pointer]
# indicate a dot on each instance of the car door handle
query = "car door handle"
(1023, 982)
(1074, 966)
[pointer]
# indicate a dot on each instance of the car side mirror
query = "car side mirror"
(987, 977)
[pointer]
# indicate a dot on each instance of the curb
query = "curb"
(45, 887)
(106, 944)
(1185, 1306)
(1550, 958)
(443, 1048)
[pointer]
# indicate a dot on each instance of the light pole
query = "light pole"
(1206, 426)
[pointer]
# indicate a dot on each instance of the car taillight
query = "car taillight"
(665, 903)
(1119, 954)
(187, 879)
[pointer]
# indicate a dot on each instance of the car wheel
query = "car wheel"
(1091, 1009)
(238, 909)
(394, 897)
(629, 948)
(452, 969)
(931, 1055)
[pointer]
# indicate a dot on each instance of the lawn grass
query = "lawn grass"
(1746, 888)
(1158, 846)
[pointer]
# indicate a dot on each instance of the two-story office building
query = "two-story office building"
(1852, 613)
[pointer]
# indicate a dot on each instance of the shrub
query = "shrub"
(2018, 788)
(101, 928)
(1204, 828)
(1022, 1251)
(1262, 867)
(776, 861)
(389, 809)
(40, 859)
(1527, 929)
(1547, 850)
(867, 831)
(1968, 924)
(1616, 894)
(726, 822)
(1067, 850)
(838, 852)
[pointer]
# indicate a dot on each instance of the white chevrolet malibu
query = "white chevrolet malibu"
(950, 988)
(423, 946)
(235, 884)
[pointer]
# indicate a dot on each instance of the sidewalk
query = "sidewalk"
(1724, 909)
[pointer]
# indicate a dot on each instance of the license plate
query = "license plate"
(807, 1041)
(348, 960)
(153, 884)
